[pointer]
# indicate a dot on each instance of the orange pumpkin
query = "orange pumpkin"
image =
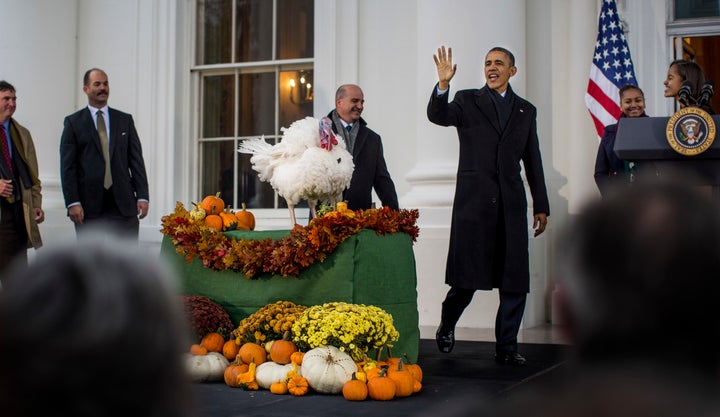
(279, 388)
(230, 349)
(413, 368)
(404, 381)
(417, 386)
(391, 362)
(381, 388)
(198, 350)
(214, 221)
(213, 204)
(213, 342)
(245, 219)
(281, 350)
(232, 372)
(355, 390)
(298, 386)
(252, 353)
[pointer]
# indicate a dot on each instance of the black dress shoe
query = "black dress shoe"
(445, 339)
(505, 357)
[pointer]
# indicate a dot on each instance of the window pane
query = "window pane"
(296, 95)
(689, 9)
(218, 167)
(256, 110)
(295, 20)
(254, 22)
(214, 31)
(218, 106)
(253, 192)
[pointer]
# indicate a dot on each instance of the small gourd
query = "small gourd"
(362, 376)
(197, 213)
(297, 357)
(246, 380)
(298, 386)
(229, 219)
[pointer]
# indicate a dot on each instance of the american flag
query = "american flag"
(611, 69)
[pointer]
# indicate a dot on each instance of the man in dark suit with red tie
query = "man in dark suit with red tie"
(102, 169)
(497, 129)
(20, 189)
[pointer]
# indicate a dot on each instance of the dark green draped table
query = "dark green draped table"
(365, 269)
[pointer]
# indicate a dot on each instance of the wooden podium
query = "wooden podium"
(643, 139)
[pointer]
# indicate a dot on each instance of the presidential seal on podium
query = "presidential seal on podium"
(690, 131)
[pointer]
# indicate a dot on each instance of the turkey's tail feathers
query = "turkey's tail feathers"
(255, 146)
(261, 156)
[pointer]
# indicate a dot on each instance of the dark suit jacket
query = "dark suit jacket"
(370, 171)
(83, 167)
(490, 194)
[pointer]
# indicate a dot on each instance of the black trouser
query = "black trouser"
(13, 234)
(507, 322)
(110, 222)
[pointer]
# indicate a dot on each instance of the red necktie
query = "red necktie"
(5, 148)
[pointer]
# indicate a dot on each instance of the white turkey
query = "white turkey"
(309, 163)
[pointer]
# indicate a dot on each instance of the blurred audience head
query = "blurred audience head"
(639, 277)
(92, 330)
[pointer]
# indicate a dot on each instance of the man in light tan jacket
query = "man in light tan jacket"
(20, 188)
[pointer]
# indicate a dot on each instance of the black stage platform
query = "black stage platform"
(450, 382)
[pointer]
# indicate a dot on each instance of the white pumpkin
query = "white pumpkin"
(269, 372)
(327, 369)
(206, 368)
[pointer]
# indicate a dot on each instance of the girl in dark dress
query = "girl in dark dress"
(609, 169)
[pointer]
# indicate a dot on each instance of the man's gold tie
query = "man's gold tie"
(102, 131)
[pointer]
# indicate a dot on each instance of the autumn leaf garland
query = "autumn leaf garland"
(287, 256)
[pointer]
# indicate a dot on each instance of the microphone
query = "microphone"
(684, 94)
(706, 92)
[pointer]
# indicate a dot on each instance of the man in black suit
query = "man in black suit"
(103, 173)
(489, 231)
(367, 151)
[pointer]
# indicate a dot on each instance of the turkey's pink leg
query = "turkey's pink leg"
(313, 212)
(291, 207)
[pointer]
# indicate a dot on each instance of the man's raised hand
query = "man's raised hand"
(445, 67)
